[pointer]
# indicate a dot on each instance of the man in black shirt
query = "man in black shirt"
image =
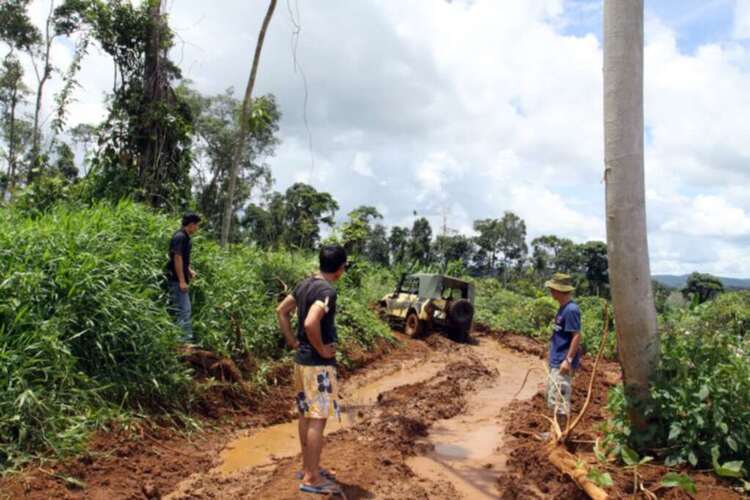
(179, 274)
(315, 381)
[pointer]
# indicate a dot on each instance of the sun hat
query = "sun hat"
(561, 282)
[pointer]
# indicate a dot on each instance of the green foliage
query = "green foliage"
(702, 287)
(292, 219)
(592, 324)
(216, 125)
(501, 239)
(505, 310)
(420, 243)
(674, 480)
(81, 325)
(601, 479)
(398, 244)
(357, 230)
(145, 141)
(700, 400)
(84, 330)
(16, 28)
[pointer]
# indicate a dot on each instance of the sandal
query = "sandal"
(327, 487)
(325, 473)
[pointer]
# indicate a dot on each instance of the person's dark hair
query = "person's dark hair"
(332, 257)
(189, 218)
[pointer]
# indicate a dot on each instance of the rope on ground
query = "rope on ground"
(526, 379)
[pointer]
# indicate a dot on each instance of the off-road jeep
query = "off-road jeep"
(425, 302)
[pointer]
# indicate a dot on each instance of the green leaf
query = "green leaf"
(732, 443)
(674, 480)
(728, 469)
(629, 456)
(674, 431)
(703, 393)
(692, 459)
(602, 479)
(731, 469)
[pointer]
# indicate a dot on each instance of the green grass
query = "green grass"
(84, 332)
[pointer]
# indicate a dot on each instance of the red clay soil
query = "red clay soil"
(153, 458)
(370, 457)
(531, 475)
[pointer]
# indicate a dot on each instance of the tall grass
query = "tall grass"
(84, 330)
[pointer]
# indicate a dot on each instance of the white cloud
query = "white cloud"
(710, 217)
(481, 107)
(361, 164)
(742, 19)
(547, 212)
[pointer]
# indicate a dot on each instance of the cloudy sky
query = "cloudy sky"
(476, 107)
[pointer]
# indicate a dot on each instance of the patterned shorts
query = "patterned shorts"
(317, 391)
(559, 389)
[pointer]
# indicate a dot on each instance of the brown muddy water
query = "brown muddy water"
(468, 448)
(266, 446)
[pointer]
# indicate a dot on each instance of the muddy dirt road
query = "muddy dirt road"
(428, 419)
(430, 426)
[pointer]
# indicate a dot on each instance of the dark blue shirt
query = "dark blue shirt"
(567, 322)
(180, 244)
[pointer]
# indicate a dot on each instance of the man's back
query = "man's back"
(311, 291)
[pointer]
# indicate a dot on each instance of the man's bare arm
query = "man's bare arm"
(284, 313)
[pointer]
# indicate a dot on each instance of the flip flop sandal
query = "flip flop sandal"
(323, 472)
(327, 487)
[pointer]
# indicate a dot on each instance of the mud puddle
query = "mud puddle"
(467, 449)
(358, 396)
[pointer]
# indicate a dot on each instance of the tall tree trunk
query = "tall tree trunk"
(153, 79)
(242, 134)
(627, 243)
(42, 80)
(12, 142)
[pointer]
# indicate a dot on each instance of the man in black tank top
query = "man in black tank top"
(315, 382)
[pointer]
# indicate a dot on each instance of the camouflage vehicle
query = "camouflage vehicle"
(424, 302)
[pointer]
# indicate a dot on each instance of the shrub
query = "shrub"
(592, 324)
(84, 330)
(701, 396)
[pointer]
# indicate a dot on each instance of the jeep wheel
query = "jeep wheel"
(413, 326)
(460, 318)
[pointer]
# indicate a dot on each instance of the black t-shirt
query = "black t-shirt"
(315, 290)
(179, 245)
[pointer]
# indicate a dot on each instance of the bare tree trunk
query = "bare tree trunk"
(627, 243)
(242, 134)
(153, 94)
(12, 143)
(42, 80)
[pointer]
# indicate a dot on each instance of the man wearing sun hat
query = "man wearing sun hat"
(565, 351)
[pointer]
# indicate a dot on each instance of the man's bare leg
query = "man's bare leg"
(303, 426)
(312, 450)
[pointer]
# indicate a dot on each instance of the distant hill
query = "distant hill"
(679, 281)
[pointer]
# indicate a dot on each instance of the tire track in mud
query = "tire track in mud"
(434, 431)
